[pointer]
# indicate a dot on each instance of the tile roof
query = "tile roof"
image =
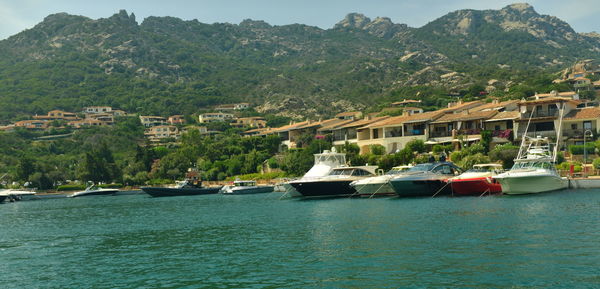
(290, 126)
(348, 113)
(550, 100)
(495, 106)
(417, 117)
(584, 113)
(363, 122)
(505, 115)
(450, 117)
(335, 124)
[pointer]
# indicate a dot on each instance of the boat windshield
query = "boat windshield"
(397, 170)
(532, 165)
(344, 172)
(244, 183)
(421, 168)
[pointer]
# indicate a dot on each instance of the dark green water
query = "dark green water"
(257, 241)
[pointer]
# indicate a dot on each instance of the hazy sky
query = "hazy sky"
(17, 15)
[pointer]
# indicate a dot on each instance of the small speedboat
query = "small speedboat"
(428, 179)
(245, 187)
(337, 183)
(17, 195)
(183, 188)
(378, 185)
(477, 181)
(93, 191)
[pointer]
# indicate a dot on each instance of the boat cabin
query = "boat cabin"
(398, 170)
(444, 168)
(244, 183)
(351, 171)
(497, 168)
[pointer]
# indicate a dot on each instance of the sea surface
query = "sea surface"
(548, 240)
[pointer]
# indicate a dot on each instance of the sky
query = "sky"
(18, 15)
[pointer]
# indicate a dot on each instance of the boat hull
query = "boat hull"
(248, 191)
(377, 189)
(417, 188)
(519, 185)
(475, 186)
(171, 192)
(290, 191)
(324, 188)
(2, 198)
(94, 193)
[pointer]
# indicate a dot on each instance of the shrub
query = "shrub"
(468, 161)
(505, 153)
(416, 145)
(579, 150)
(70, 187)
(377, 149)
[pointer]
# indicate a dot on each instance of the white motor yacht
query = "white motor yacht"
(378, 185)
(324, 163)
(245, 187)
(533, 171)
(93, 191)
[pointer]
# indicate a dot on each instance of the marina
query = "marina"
(540, 240)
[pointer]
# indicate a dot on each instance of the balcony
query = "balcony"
(506, 133)
(468, 131)
(541, 113)
(441, 133)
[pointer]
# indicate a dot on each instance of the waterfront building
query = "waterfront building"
(579, 122)
(545, 115)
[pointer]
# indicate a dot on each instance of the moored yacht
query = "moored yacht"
(93, 190)
(337, 183)
(533, 171)
(323, 164)
(477, 181)
(245, 187)
(183, 188)
(426, 179)
(378, 185)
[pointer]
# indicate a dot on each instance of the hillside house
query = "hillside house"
(176, 119)
(97, 109)
(150, 121)
(35, 124)
(215, 117)
(160, 132)
(545, 115)
(254, 122)
(57, 115)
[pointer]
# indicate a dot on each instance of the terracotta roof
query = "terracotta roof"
(349, 113)
(550, 100)
(584, 113)
(450, 117)
(363, 122)
(495, 106)
(406, 101)
(556, 94)
(335, 124)
(505, 115)
(464, 105)
(417, 117)
(290, 126)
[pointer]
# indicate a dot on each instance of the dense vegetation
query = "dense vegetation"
(166, 66)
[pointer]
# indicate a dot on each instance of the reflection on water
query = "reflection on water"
(547, 240)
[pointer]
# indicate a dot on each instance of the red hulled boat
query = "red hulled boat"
(477, 181)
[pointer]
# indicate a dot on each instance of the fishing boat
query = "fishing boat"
(245, 187)
(378, 185)
(533, 171)
(93, 190)
(428, 179)
(337, 183)
(324, 163)
(477, 181)
(182, 188)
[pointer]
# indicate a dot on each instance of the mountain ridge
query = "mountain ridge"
(166, 65)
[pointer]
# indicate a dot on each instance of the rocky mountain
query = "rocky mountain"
(165, 65)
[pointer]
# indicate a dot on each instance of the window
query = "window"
(497, 127)
(574, 126)
(587, 125)
(544, 126)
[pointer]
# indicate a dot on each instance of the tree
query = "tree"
(25, 168)
(505, 153)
